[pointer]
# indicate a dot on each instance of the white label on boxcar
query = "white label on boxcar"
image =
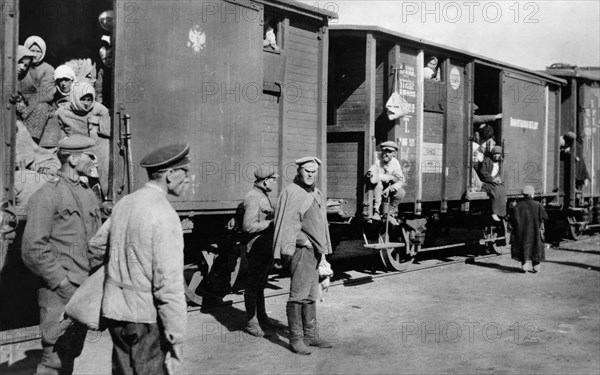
(518, 123)
(454, 78)
(431, 159)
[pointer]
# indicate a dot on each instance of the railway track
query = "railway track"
(352, 278)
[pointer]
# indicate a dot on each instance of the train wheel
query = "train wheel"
(575, 230)
(195, 273)
(391, 257)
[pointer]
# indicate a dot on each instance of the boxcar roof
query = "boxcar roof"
(589, 73)
(300, 7)
(426, 43)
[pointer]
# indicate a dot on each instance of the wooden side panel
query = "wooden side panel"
(431, 157)
(191, 88)
(301, 95)
(456, 132)
(270, 133)
(552, 141)
(347, 90)
(590, 117)
(345, 168)
(523, 129)
(407, 136)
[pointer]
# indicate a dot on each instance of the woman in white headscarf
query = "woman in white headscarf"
(64, 77)
(37, 88)
(86, 116)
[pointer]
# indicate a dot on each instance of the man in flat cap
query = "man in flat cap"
(527, 222)
(387, 180)
(258, 226)
(302, 240)
(144, 299)
(62, 217)
(490, 175)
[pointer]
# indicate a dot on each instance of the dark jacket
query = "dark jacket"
(526, 222)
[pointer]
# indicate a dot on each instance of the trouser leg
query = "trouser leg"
(138, 348)
(294, 316)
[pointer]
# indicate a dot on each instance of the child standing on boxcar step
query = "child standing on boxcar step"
(489, 173)
(527, 244)
(90, 118)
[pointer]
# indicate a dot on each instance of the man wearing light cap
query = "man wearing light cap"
(258, 225)
(144, 299)
(527, 221)
(302, 239)
(62, 217)
(387, 180)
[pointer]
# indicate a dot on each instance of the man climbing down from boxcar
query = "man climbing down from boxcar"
(489, 173)
(527, 220)
(144, 299)
(62, 217)
(302, 240)
(387, 180)
(258, 226)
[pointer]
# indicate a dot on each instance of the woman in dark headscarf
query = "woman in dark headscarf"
(37, 89)
(86, 116)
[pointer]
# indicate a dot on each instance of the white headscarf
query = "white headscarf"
(64, 71)
(36, 40)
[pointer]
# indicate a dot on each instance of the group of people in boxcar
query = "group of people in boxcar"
(52, 103)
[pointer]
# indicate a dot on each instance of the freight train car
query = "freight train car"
(242, 81)
(580, 146)
(366, 64)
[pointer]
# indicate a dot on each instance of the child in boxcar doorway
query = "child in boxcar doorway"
(90, 118)
(489, 173)
(37, 88)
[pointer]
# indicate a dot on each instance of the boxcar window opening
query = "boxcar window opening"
(486, 106)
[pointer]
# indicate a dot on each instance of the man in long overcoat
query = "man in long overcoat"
(302, 240)
(527, 245)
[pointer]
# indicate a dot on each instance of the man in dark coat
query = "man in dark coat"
(527, 245)
(258, 226)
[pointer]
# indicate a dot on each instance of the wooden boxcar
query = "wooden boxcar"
(184, 71)
(434, 137)
(580, 114)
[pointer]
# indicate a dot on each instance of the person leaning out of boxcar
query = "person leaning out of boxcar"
(258, 225)
(102, 83)
(431, 70)
(88, 117)
(483, 126)
(144, 300)
(302, 241)
(527, 223)
(64, 76)
(476, 160)
(490, 175)
(581, 172)
(37, 88)
(387, 181)
(62, 217)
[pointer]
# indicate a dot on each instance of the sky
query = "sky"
(530, 34)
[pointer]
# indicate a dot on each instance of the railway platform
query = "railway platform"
(480, 317)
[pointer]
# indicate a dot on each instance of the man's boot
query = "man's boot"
(309, 321)
(261, 312)
(294, 315)
(50, 363)
(252, 327)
